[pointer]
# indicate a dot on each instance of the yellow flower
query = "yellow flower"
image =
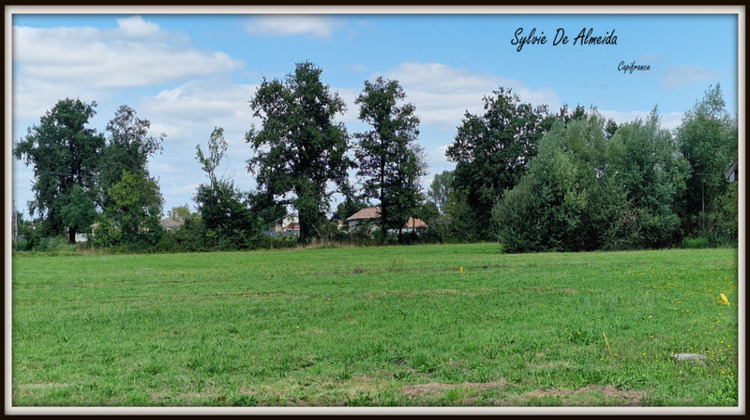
(724, 299)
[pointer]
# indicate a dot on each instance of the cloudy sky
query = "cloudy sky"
(189, 73)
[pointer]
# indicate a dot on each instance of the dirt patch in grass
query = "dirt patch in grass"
(592, 395)
(435, 389)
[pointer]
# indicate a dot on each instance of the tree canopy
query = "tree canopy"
(299, 149)
(65, 153)
(492, 151)
(388, 156)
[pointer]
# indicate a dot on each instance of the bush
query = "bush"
(695, 243)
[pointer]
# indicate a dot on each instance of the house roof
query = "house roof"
(415, 223)
(364, 214)
(169, 223)
(374, 213)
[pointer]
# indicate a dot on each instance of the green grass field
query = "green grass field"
(386, 326)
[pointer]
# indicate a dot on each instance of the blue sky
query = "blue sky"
(188, 73)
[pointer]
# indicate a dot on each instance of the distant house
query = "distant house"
(372, 214)
(287, 223)
(363, 216)
(730, 174)
(415, 225)
(171, 224)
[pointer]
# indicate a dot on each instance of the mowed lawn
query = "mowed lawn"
(382, 326)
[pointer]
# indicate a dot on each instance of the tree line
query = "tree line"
(528, 178)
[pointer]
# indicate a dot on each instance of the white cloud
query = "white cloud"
(187, 114)
(442, 94)
(676, 77)
(316, 26)
(90, 63)
(98, 59)
(202, 104)
(135, 26)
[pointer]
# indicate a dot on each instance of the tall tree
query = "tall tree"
(129, 195)
(441, 189)
(135, 209)
(300, 149)
(181, 213)
(64, 153)
(708, 140)
(129, 146)
(388, 155)
(221, 205)
(492, 152)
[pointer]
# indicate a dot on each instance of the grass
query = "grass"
(387, 326)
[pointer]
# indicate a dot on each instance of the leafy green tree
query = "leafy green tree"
(441, 189)
(129, 146)
(566, 200)
(299, 150)
(492, 152)
(388, 156)
(727, 216)
(222, 207)
(584, 191)
(708, 140)
(65, 153)
(134, 215)
(78, 212)
(181, 213)
(651, 172)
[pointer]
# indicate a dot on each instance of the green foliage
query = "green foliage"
(708, 140)
(77, 211)
(727, 217)
(441, 189)
(388, 157)
(492, 152)
(299, 148)
(224, 213)
(128, 149)
(565, 198)
(134, 215)
(217, 147)
(182, 213)
(64, 153)
(651, 171)
(585, 191)
(695, 243)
